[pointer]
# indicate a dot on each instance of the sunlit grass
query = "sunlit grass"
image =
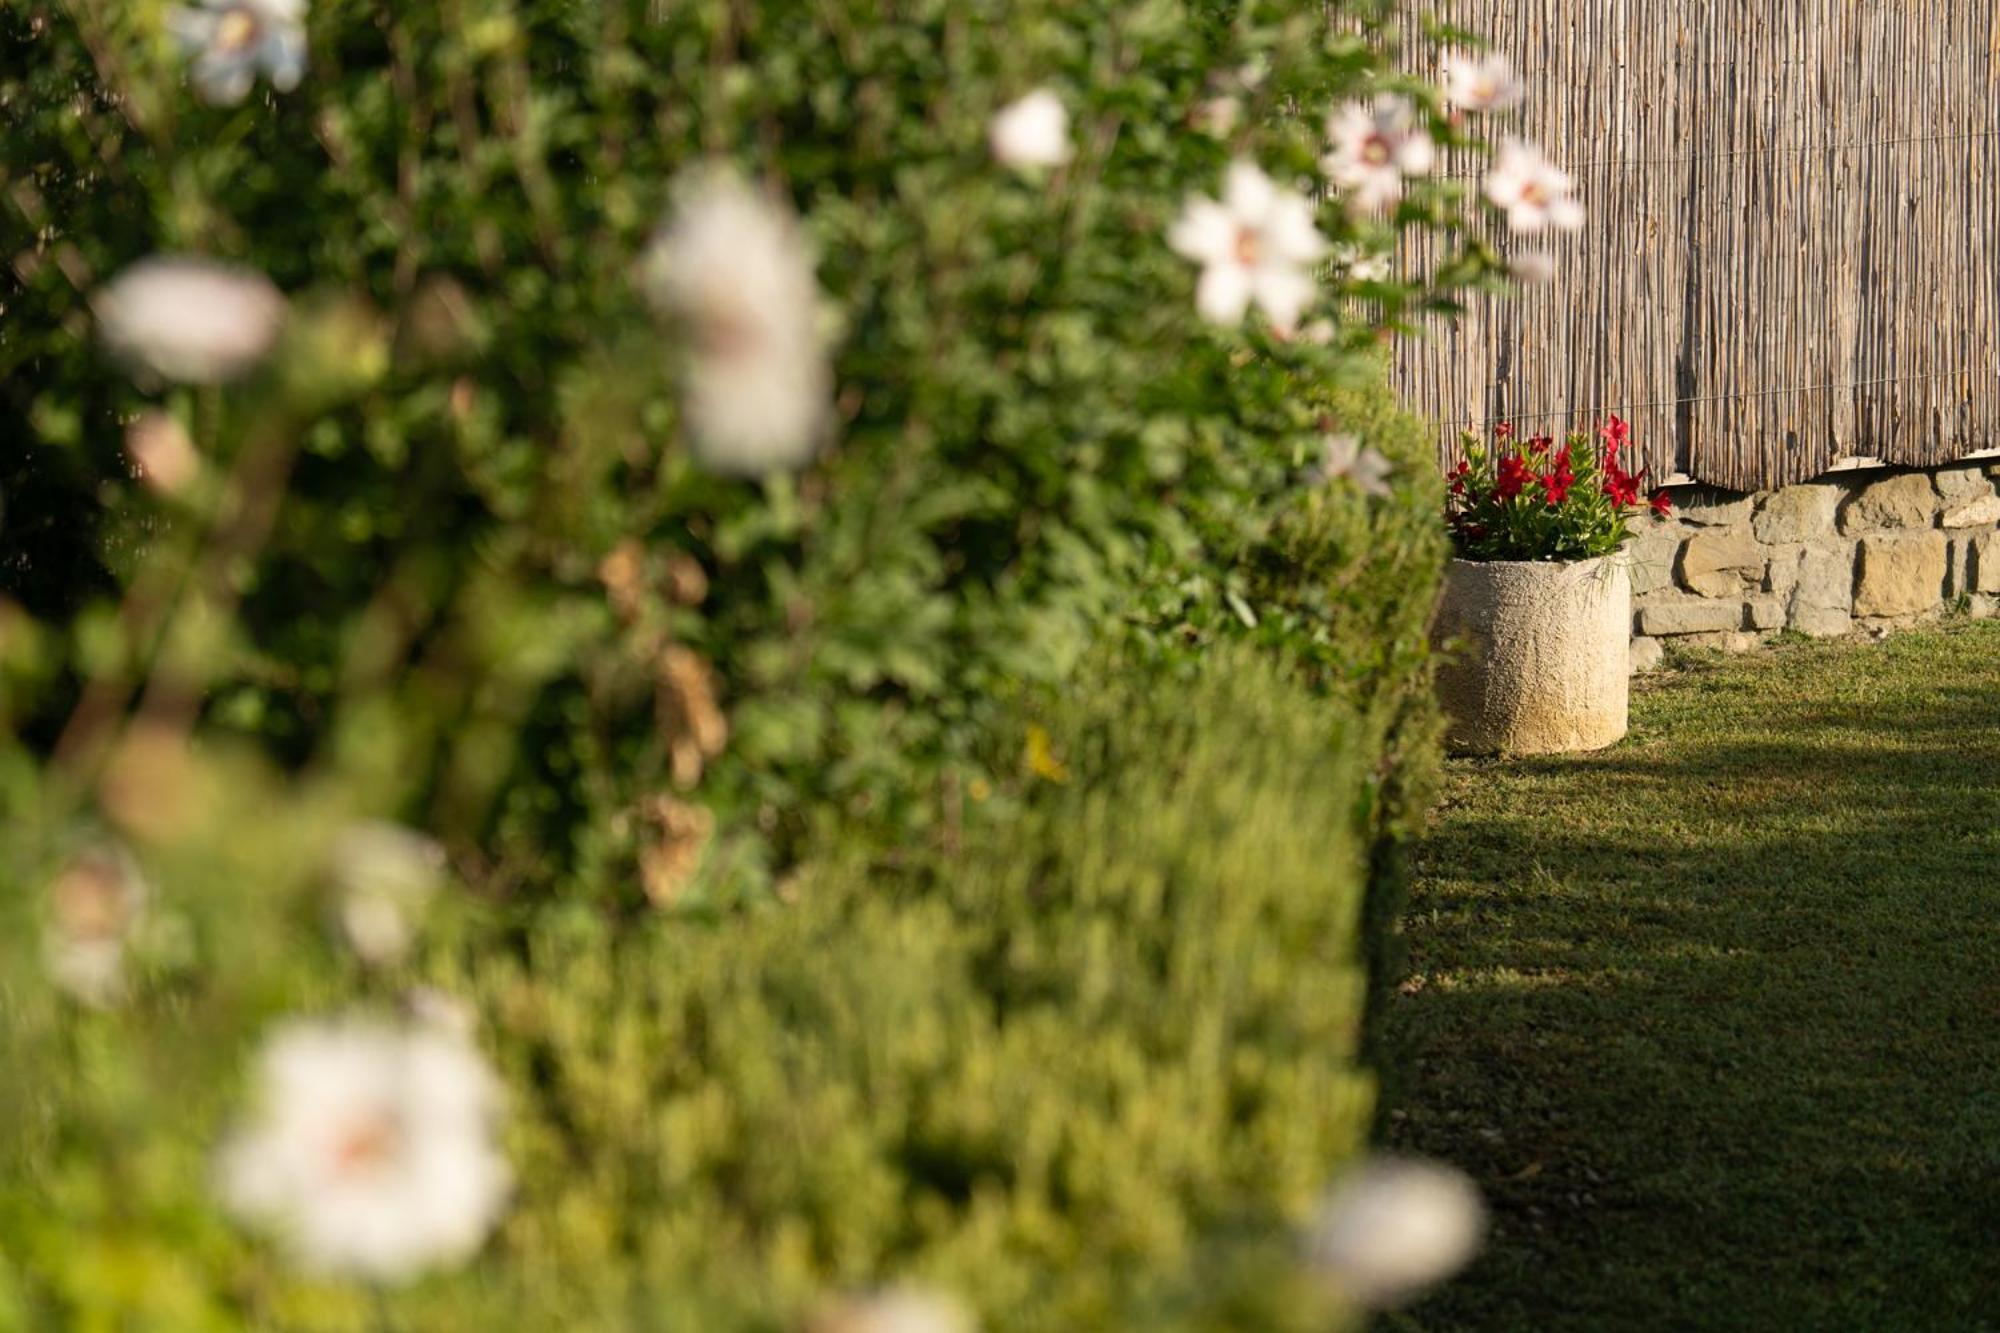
(1715, 1016)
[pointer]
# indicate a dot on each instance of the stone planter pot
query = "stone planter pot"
(1543, 664)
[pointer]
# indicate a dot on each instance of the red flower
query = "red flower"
(1458, 476)
(1559, 479)
(1663, 504)
(1617, 433)
(1503, 431)
(1620, 485)
(1512, 478)
(1540, 445)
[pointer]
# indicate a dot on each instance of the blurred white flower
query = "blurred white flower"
(1343, 458)
(904, 1310)
(731, 267)
(1477, 82)
(159, 447)
(191, 320)
(232, 40)
(382, 875)
(1218, 116)
(1031, 133)
(94, 906)
(1532, 191)
(371, 1149)
(1532, 268)
(1394, 1227)
(1362, 265)
(1375, 145)
(1253, 246)
(430, 1007)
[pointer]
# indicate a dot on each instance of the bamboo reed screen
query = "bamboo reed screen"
(1791, 254)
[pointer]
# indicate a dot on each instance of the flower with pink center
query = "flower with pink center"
(1532, 191)
(1375, 146)
(1475, 82)
(731, 267)
(95, 906)
(1344, 458)
(231, 42)
(1253, 247)
(370, 1152)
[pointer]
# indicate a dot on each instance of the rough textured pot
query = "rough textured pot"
(1544, 655)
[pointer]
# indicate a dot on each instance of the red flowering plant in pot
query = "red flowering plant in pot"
(1537, 608)
(1537, 499)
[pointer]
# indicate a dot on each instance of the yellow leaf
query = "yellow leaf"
(1041, 757)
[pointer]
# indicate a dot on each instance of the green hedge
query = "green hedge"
(1032, 419)
(1073, 727)
(1088, 1069)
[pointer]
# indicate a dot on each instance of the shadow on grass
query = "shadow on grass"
(1715, 1016)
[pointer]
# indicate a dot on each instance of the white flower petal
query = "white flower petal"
(1532, 267)
(191, 320)
(194, 29)
(1395, 1227)
(1223, 294)
(901, 1311)
(1282, 292)
(1290, 233)
(1417, 154)
(1031, 133)
(731, 269)
(225, 84)
(1248, 193)
(1205, 233)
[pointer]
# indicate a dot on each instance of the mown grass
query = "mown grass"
(1714, 1016)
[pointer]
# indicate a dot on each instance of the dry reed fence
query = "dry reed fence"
(1791, 256)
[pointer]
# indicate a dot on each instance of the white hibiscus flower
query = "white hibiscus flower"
(1363, 265)
(1254, 246)
(1032, 133)
(730, 266)
(1532, 191)
(371, 1150)
(905, 1310)
(94, 907)
(1532, 268)
(195, 321)
(232, 41)
(1394, 1227)
(1475, 82)
(383, 875)
(1343, 458)
(1376, 145)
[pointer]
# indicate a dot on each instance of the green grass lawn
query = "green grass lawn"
(1714, 1016)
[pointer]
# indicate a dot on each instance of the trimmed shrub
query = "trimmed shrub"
(1088, 1070)
(958, 859)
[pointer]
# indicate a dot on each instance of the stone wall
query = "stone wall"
(1852, 551)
